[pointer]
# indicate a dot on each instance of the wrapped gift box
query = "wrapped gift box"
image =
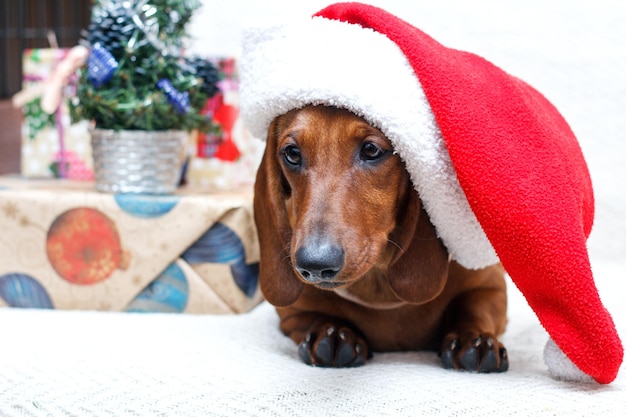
(51, 145)
(65, 246)
(227, 156)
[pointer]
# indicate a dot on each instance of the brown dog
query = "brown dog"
(351, 259)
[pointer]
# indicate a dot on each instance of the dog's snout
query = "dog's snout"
(320, 261)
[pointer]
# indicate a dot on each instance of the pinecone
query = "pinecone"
(111, 27)
(203, 69)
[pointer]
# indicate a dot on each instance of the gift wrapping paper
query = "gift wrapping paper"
(65, 246)
(227, 156)
(49, 140)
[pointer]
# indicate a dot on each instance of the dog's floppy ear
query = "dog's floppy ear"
(419, 271)
(279, 284)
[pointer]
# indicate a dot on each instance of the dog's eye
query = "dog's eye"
(370, 151)
(291, 155)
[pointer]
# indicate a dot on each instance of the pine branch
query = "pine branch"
(145, 40)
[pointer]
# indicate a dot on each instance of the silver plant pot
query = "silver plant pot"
(138, 161)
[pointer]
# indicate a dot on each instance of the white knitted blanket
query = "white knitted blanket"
(117, 365)
(55, 363)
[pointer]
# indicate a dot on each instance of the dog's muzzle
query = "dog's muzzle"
(319, 261)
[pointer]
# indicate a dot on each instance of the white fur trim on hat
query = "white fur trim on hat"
(560, 366)
(320, 61)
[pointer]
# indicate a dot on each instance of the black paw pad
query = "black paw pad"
(332, 347)
(479, 354)
(470, 359)
(447, 354)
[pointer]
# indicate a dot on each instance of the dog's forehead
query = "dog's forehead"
(297, 121)
(321, 122)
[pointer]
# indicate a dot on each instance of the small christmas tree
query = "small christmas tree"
(136, 77)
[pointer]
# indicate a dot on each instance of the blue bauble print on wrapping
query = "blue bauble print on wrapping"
(218, 245)
(146, 206)
(168, 293)
(24, 291)
(221, 245)
(246, 277)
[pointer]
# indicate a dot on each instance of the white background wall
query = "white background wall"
(572, 51)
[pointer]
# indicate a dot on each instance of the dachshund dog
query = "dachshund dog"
(350, 258)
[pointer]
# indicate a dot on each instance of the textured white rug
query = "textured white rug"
(55, 363)
(114, 364)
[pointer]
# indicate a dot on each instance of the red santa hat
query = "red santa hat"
(496, 166)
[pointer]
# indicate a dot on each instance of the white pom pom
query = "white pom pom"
(560, 367)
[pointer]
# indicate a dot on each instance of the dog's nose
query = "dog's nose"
(319, 261)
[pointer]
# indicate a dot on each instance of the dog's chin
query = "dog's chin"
(328, 285)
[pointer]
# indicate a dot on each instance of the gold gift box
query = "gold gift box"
(65, 246)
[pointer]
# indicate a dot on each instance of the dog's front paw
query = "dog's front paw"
(474, 352)
(330, 345)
